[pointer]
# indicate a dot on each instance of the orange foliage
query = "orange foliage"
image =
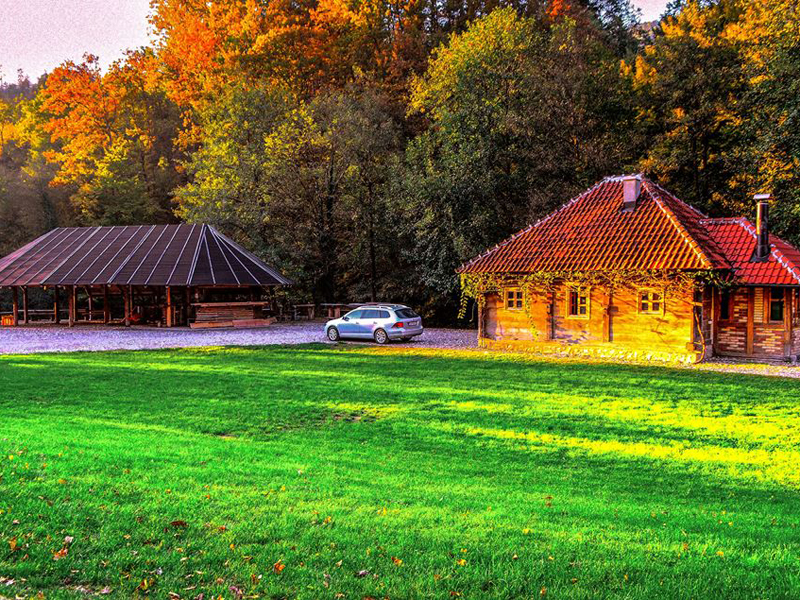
(87, 112)
(304, 45)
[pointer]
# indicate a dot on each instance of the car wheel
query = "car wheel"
(380, 336)
(333, 334)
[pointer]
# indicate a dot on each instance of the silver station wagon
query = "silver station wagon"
(379, 322)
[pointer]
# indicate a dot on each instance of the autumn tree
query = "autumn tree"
(112, 138)
(691, 83)
(768, 34)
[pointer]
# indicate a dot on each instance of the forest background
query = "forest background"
(368, 147)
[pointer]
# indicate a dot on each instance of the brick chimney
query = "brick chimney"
(631, 188)
(762, 227)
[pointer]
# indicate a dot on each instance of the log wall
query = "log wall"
(613, 324)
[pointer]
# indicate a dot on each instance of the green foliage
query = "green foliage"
(489, 476)
(302, 183)
(691, 82)
(515, 128)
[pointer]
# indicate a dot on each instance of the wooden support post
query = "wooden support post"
(751, 306)
(481, 317)
(25, 305)
(91, 303)
(787, 322)
(106, 307)
(56, 317)
(126, 292)
(73, 300)
(716, 303)
(15, 305)
(169, 306)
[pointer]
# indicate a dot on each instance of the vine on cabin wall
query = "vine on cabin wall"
(477, 286)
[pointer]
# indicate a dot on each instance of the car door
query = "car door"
(348, 326)
(368, 322)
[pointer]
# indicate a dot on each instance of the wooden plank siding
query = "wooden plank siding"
(613, 323)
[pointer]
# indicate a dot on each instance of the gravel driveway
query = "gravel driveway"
(26, 340)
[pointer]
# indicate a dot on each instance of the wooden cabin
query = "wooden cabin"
(626, 269)
(163, 275)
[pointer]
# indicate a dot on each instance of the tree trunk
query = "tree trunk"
(373, 263)
(329, 239)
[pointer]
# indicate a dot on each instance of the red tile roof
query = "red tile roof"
(591, 232)
(737, 238)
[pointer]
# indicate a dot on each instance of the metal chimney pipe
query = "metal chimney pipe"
(762, 226)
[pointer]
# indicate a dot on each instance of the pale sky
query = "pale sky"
(38, 35)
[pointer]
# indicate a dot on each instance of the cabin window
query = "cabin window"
(651, 302)
(725, 305)
(578, 303)
(515, 300)
(777, 304)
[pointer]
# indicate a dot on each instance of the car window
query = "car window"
(406, 313)
(383, 314)
(356, 314)
(371, 314)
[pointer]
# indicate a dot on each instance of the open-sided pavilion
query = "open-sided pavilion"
(187, 274)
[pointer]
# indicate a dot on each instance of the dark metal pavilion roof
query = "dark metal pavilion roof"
(157, 255)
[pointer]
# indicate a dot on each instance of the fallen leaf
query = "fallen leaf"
(12, 543)
(179, 523)
(60, 554)
(362, 573)
(278, 566)
(397, 561)
(235, 591)
(106, 590)
(68, 540)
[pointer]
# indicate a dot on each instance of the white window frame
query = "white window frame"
(582, 290)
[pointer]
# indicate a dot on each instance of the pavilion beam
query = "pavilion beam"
(15, 305)
(56, 318)
(169, 306)
(126, 292)
(188, 307)
(73, 300)
(25, 315)
(106, 307)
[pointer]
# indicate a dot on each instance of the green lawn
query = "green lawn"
(317, 472)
